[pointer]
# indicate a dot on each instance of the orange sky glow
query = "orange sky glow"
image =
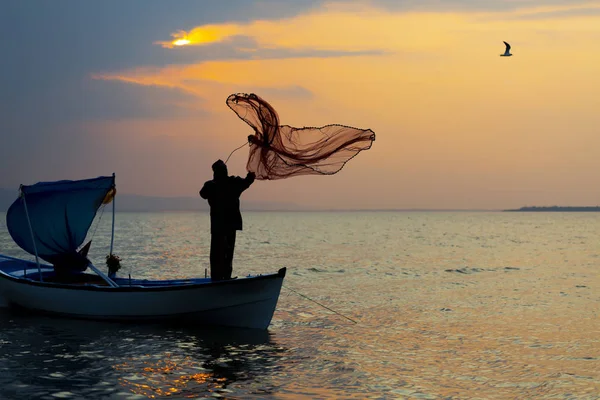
(457, 126)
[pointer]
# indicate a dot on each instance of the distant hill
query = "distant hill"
(137, 203)
(558, 209)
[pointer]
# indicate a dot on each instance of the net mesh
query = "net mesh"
(281, 151)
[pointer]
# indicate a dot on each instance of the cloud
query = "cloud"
(240, 47)
(556, 12)
(454, 6)
(334, 28)
(350, 43)
(89, 100)
(114, 100)
(49, 47)
(379, 27)
(297, 92)
(199, 91)
(203, 35)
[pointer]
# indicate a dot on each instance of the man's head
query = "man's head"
(219, 169)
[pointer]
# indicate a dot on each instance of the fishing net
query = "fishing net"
(281, 151)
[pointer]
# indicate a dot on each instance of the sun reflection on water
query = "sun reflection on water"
(168, 377)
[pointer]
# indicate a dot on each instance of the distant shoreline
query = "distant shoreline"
(557, 209)
(108, 210)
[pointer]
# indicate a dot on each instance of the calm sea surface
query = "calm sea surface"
(448, 306)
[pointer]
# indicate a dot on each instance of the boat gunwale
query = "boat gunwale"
(280, 274)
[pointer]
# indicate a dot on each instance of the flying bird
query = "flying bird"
(507, 52)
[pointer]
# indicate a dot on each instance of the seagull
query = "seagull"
(507, 52)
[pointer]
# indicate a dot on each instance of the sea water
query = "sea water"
(464, 305)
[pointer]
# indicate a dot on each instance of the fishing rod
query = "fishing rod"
(314, 301)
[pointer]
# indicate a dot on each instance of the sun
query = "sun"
(181, 42)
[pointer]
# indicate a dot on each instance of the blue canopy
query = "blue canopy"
(60, 214)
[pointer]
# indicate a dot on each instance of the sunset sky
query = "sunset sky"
(138, 88)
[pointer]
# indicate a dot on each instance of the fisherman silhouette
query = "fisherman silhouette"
(223, 194)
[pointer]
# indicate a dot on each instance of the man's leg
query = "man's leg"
(217, 256)
(230, 248)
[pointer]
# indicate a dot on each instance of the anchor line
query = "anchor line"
(316, 302)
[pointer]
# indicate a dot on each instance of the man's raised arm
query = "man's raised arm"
(244, 183)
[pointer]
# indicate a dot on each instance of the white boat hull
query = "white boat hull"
(246, 302)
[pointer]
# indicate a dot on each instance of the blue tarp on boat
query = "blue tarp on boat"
(60, 213)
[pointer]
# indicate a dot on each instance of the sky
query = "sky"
(138, 88)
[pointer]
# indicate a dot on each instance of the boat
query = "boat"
(50, 220)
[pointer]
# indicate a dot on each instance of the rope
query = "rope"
(308, 298)
(245, 143)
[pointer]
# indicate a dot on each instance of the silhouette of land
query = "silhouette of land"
(138, 203)
(558, 209)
